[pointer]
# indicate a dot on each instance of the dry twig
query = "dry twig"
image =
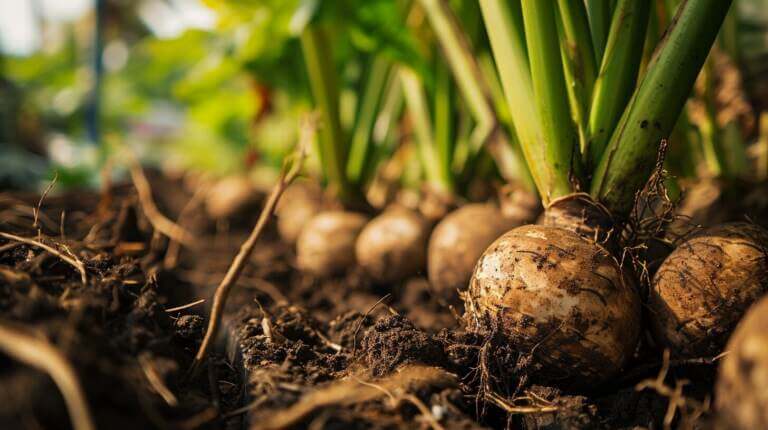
(396, 387)
(70, 259)
(187, 306)
(156, 381)
(159, 221)
(36, 210)
(291, 169)
(172, 252)
(39, 353)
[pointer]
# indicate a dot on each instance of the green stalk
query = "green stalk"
(322, 78)
(360, 149)
(684, 152)
(762, 148)
(504, 23)
(729, 36)
(474, 88)
(438, 174)
(384, 129)
(512, 165)
(599, 14)
(709, 128)
(488, 68)
(657, 19)
(460, 59)
(734, 150)
(657, 103)
(444, 140)
(578, 58)
(557, 126)
(385, 135)
(618, 73)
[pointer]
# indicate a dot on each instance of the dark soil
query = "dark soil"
(374, 356)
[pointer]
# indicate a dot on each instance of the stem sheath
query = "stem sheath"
(657, 103)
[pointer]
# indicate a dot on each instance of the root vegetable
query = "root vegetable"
(393, 245)
(518, 203)
(300, 202)
(326, 245)
(560, 297)
(705, 285)
(742, 383)
(580, 214)
(459, 240)
(230, 196)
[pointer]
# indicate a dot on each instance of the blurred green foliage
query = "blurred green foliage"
(228, 99)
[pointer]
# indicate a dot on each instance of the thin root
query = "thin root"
(39, 353)
(290, 171)
(690, 409)
(70, 259)
(156, 381)
(159, 221)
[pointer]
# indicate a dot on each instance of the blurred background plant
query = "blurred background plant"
(218, 86)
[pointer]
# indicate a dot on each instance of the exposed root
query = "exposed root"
(531, 404)
(649, 222)
(172, 252)
(159, 221)
(690, 410)
(397, 387)
(291, 169)
(156, 381)
(36, 210)
(395, 401)
(187, 306)
(39, 353)
(66, 256)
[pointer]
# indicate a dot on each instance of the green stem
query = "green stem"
(729, 36)
(322, 78)
(512, 167)
(444, 139)
(734, 150)
(459, 55)
(384, 129)
(657, 103)
(504, 24)
(657, 19)
(474, 88)
(599, 14)
(360, 149)
(709, 129)
(558, 131)
(438, 175)
(618, 73)
(762, 148)
(579, 68)
(684, 153)
(385, 135)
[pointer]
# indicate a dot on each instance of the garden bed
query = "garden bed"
(297, 351)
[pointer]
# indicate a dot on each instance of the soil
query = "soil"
(297, 352)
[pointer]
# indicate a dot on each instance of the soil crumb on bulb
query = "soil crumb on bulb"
(705, 285)
(559, 296)
(326, 245)
(392, 247)
(741, 392)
